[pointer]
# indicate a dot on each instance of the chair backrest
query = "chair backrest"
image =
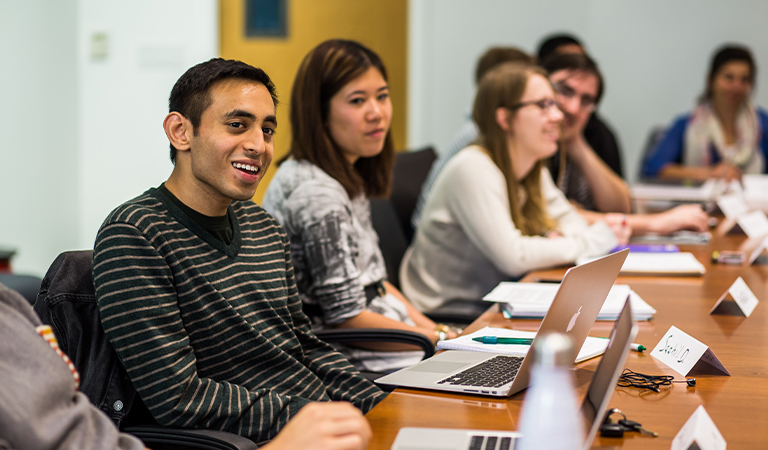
(26, 285)
(654, 137)
(392, 241)
(411, 169)
(67, 302)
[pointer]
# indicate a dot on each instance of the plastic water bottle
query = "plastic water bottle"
(550, 418)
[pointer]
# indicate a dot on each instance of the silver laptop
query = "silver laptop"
(592, 408)
(573, 312)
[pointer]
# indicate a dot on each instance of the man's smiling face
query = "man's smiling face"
(232, 148)
(576, 95)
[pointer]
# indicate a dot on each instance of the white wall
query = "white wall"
(39, 205)
(78, 135)
(124, 97)
(653, 54)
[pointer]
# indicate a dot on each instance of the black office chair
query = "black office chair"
(409, 173)
(26, 285)
(392, 243)
(654, 138)
(67, 302)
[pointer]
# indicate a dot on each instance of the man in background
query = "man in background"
(581, 173)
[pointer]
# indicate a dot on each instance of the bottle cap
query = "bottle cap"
(553, 349)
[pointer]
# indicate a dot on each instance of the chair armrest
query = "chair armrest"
(458, 311)
(155, 435)
(357, 335)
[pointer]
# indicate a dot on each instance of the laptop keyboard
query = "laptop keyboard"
(494, 372)
(476, 443)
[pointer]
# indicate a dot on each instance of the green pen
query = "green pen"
(502, 340)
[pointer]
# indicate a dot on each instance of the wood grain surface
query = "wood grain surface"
(738, 404)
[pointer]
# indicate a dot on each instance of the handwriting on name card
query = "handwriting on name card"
(699, 432)
(682, 353)
(741, 295)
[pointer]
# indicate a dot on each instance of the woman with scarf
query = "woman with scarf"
(725, 136)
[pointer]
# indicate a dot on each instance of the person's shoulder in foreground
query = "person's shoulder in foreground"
(194, 281)
(40, 407)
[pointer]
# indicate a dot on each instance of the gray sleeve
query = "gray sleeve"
(39, 406)
(334, 278)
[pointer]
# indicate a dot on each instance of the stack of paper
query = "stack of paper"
(658, 191)
(532, 300)
(658, 264)
(683, 263)
(592, 347)
(683, 237)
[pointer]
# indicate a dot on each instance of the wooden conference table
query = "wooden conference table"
(738, 404)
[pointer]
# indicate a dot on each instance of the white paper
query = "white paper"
(743, 296)
(732, 205)
(683, 263)
(593, 346)
(706, 192)
(754, 224)
(535, 299)
(699, 429)
(757, 251)
(682, 352)
(524, 293)
(755, 187)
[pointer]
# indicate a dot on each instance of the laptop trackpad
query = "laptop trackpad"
(438, 366)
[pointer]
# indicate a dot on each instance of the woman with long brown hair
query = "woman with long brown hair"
(494, 213)
(341, 154)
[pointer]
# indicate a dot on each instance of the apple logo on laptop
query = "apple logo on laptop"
(573, 320)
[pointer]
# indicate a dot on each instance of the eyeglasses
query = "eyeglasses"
(544, 104)
(586, 101)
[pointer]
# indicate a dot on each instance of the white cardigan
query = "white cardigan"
(466, 242)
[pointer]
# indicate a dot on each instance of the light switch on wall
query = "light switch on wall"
(99, 45)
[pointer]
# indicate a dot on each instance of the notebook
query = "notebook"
(573, 312)
(661, 264)
(532, 300)
(593, 346)
(592, 408)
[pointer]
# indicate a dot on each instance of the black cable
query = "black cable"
(630, 378)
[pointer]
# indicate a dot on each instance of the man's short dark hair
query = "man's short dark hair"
(550, 44)
(190, 96)
(496, 56)
(577, 63)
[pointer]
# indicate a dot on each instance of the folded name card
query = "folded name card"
(699, 432)
(754, 224)
(732, 205)
(738, 293)
(682, 353)
(755, 248)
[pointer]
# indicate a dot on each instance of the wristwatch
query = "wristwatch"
(441, 331)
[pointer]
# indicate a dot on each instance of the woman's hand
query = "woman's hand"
(324, 426)
(683, 217)
(727, 171)
(620, 226)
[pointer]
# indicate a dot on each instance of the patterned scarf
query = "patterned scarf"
(704, 134)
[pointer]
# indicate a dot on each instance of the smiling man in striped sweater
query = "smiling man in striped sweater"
(194, 281)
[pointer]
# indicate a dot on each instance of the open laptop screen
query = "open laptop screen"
(607, 374)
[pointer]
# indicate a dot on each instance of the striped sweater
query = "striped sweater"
(212, 335)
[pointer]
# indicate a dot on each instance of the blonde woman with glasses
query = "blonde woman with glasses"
(495, 213)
